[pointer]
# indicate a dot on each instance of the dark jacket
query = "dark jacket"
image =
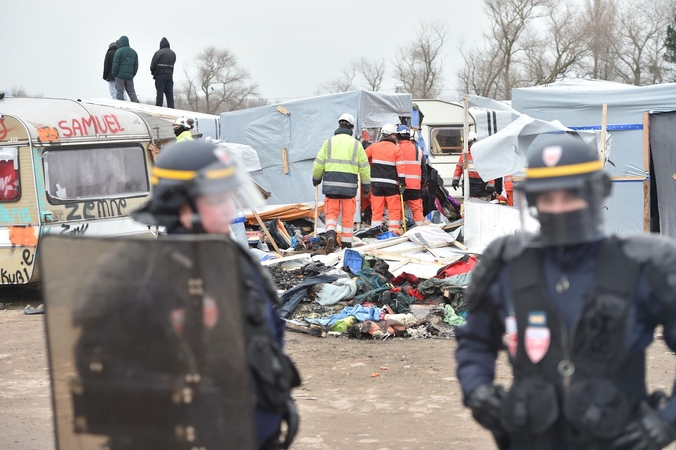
(108, 62)
(125, 61)
(491, 302)
(162, 65)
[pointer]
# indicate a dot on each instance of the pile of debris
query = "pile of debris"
(407, 286)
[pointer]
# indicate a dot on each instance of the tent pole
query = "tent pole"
(465, 154)
(604, 125)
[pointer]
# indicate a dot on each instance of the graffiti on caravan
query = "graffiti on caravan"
(106, 124)
(96, 209)
(14, 215)
(22, 275)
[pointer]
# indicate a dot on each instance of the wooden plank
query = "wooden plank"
(283, 110)
(460, 246)
(646, 168)
(285, 160)
(382, 244)
(629, 178)
(267, 232)
(397, 257)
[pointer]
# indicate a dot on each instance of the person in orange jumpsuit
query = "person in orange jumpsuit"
(415, 171)
(388, 179)
(478, 188)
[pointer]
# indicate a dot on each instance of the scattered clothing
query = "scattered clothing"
(358, 311)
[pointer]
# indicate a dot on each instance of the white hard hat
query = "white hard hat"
(347, 117)
(182, 121)
(388, 129)
(472, 136)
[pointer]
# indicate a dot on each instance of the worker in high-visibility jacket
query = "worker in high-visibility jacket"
(182, 127)
(478, 188)
(415, 171)
(387, 177)
(339, 163)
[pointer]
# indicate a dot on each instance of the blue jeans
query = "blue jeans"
(113, 90)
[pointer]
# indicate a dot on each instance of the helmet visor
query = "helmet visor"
(559, 217)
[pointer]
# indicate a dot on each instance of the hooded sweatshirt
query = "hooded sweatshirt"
(108, 62)
(125, 61)
(162, 65)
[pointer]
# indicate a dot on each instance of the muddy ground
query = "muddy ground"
(413, 402)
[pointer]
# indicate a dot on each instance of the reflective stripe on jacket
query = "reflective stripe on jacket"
(338, 162)
(412, 163)
(387, 164)
(471, 171)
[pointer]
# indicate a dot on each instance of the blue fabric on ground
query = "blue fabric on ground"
(357, 311)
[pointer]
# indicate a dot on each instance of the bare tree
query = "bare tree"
(372, 70)
(419, 65)
(600, 30)
(560, 49)
(497, 67)
(640, 43)
(342, 83)
(220, 83)
(18, 91)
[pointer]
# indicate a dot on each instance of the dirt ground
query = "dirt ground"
(413, 403)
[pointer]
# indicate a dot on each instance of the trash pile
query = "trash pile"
(402, 286)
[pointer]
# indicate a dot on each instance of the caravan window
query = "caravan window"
(95, 173)
(446, 141)
(9, 174)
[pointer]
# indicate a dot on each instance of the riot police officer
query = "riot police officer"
(575, 309)
(197, 189)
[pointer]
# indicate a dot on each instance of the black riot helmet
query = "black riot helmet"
(186, 170)
(573, 167)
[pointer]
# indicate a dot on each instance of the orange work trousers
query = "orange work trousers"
(333, 207)
(393, 211)
(416, 207)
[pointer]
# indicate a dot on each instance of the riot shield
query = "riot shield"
(146, 343)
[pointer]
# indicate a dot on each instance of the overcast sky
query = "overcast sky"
(290, 47)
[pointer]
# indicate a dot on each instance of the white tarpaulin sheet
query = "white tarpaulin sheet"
(505, 152)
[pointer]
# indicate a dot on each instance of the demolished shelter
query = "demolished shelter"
(287, 136)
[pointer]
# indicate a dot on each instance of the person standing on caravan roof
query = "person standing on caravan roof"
(389, 178)
(108, 70)
(182, 129)
(416, 173)
(338, 163)
(162, 69)
(478, 188)
(125, 66)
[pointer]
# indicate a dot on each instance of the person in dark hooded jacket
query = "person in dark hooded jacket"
(125, 66)
(108, 70)
(162, 69)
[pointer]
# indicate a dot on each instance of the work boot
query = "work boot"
(330, 241)
(346, 245)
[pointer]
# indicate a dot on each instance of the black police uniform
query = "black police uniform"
(588, 385)
(576, 311)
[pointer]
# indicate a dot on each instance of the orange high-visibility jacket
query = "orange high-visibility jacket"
(386, 164)
(413, 159)
(471, 171)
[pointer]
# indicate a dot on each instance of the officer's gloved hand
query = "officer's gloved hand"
(490, 188)
(365, 189)
(315, 182)
(485, 403)
(650, 432)
(455, 184)
(292, 420)
(402, 188)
